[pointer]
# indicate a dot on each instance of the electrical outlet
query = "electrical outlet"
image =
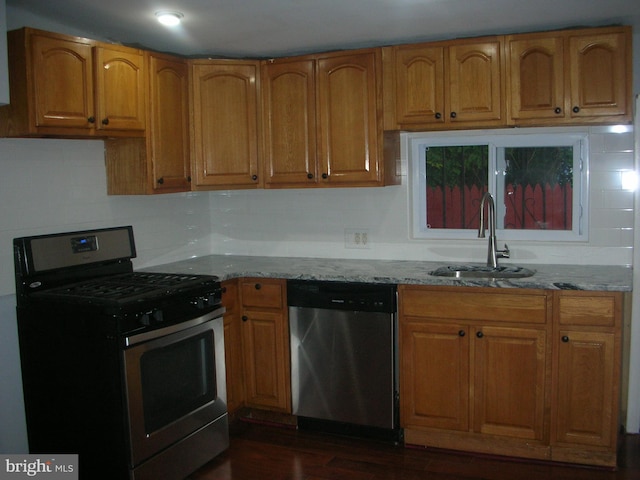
(357, 238)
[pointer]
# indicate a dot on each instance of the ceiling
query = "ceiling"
(273, 28)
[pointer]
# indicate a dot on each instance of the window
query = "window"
(538, 181)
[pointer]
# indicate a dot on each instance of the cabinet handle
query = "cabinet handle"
(461, 333)
(576, 109)
(105, 121)
(254, 177)
(325, 176)
(558, 110)
(189, 179)
(309, 176)
(565, 339)
(161, 180)
(479, 334)
(438, 115)
(454, 114)
(91, 119)
(258, 286)
(224, 289)
(244, 318)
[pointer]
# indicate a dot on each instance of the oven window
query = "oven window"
(177, 379)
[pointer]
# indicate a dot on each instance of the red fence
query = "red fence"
(532, 207)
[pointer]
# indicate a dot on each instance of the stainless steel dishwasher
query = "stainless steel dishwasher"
(344, 368)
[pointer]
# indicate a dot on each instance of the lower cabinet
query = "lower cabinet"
(265, 341)
(475, 369)
(587, 368)
(517, 372)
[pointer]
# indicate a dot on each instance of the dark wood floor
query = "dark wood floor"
(263, 452)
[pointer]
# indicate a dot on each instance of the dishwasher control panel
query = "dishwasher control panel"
(353, 296)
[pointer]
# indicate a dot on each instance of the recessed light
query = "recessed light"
(169, 18)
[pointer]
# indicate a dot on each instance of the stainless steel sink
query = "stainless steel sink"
(482, 271)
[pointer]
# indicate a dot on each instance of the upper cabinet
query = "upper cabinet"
(74, 87)
(160, 161)
(224, 111)
(444, 85)
(321, 121)
(570, 77)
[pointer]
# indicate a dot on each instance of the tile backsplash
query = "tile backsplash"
(60, 185)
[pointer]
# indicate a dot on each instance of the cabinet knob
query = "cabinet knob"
(189, 179)
(325, 176)
(91, 119)
(310, 176)
(254, 177)
(558, 110)
(454, 114)
(224, 289)
(161, 181)
(244, 318)
(438, 115)
(461, 333)
(565, 339)
(258, 286)
(479, 334)
(105, 121)
(576, 109)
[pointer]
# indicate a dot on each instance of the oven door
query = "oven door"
(175, 383)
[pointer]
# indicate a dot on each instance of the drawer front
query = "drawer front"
(263, 293)
(600, 309)
(474, 304)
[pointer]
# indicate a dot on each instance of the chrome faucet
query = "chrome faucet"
(493, 254)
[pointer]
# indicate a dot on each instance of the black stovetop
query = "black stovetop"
(127, 288)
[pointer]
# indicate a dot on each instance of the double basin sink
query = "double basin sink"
(482, 271)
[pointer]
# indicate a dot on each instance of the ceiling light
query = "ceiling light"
(169, 18)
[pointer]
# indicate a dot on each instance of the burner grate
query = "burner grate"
(126, 287)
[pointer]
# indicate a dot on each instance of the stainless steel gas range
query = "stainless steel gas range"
(124, 368)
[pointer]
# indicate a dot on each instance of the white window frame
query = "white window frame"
(497, 140)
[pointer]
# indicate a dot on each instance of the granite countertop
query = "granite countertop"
(553, 277)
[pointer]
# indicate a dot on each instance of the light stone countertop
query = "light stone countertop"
(553, 277)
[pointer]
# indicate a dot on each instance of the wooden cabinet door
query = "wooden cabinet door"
(419, 92)
(168, 136)
(264, 340)
(511, 372)
(434, 378)
(62, 82)
(289, 123)
(535, 77)
(599, 76)
(475, 82)
(349, 108)
(587, 385)
(225, 123)
(120, 89)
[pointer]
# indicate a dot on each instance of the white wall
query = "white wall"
(312, 222)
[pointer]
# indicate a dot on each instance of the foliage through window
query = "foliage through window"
(538, 182)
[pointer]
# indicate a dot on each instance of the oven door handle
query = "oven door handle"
(178, 327)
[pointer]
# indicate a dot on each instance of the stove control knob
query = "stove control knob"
(152, 316)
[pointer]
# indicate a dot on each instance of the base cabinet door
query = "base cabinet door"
(435, 375)
(586, 380)
(510, 382)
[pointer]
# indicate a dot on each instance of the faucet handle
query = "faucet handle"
(503, 253)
